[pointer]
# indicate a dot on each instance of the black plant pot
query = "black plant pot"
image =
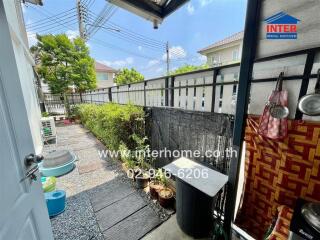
(141, 181)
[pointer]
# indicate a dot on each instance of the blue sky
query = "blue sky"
(192, 27)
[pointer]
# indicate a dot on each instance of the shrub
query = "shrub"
(114, 124)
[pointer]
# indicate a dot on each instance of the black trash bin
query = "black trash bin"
(194, 210)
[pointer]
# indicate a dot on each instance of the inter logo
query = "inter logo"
(282, 26)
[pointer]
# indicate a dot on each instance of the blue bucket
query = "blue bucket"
(56, 202)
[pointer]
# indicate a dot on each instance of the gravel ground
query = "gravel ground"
(78, 222)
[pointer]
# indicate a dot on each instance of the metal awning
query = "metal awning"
(152, 10)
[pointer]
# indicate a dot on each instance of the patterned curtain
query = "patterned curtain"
(278, 172)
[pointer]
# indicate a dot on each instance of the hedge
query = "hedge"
(113, 124)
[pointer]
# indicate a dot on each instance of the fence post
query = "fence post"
(110, 94)
(166, 92)
(172, 92)
(144, 93)
(214, 81)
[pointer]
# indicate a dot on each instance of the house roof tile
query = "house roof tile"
(230, 39)
(103, 68)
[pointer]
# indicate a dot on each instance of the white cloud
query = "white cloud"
(175, 52)
(32, 38)
(160, 69)
(72, 34)
(205, 2)
(153, 62)
(190, 8)
(118, 63)
(140, 48)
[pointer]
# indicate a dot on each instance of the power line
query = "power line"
(106, 13)
(73, 17)
(131, 33)
(108, 45)
(50, 19)
(47, 13)
(133, 39)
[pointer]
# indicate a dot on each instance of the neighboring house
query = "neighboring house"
(223, 52)
(105, 75)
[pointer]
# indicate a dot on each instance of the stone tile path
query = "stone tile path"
(101, 201)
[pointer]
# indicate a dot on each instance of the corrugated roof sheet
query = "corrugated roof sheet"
(103, 68)
(230, 39)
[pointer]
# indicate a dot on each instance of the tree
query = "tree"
(62, 63)
(126, 76)
(188, 68)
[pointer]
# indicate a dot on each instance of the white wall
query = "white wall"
(25, 62)
(225, 53)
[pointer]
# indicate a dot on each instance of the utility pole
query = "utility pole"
(80, 11)
(168, 58)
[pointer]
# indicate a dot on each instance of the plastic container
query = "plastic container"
(48, 184)
(56, 202)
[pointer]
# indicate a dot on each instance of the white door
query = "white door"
(23, 212)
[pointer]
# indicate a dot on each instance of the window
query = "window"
(235, 55)
(102, 76)
(216, 60)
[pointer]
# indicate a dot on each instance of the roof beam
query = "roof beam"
(145, 5)
(172, 6)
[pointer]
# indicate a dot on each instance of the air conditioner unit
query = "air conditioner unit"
(48, 128)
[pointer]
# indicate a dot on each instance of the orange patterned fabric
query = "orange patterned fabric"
(281, 229)
(277, 172)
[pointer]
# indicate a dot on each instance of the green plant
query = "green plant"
(113, 124)
(141, 151)
(62, 62)
(126, 76)
(126, 156)
(45, 114)
(161, 177)
(188, 68)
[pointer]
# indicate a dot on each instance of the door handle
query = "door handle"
(31, 159)
(31, 174)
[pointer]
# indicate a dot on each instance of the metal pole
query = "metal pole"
(172, 92)
(144, 93)
(110, 94)
(166, 92)
(214, 81)
(247, 60)
(168, 59)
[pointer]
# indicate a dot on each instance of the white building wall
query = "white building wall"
(25, 61)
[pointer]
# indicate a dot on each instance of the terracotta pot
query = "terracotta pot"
(154, 187)
(165, 197)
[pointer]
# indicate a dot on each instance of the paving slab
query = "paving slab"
(135, 226)
(118, 211)
(110, 193)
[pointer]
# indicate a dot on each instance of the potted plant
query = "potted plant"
(156, 184)
(142, 180)
(141, 175)
(128, 165)
(165, 195)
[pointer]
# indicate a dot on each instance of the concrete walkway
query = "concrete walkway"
(101, 201)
